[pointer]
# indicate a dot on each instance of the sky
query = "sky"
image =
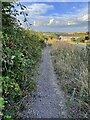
(56, 16)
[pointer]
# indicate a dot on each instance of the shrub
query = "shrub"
(21, 53)
(80, 39)
(51, 37)
(73, 39)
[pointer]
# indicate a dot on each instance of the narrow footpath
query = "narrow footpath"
(49, 100)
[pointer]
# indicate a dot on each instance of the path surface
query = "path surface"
(49, 100)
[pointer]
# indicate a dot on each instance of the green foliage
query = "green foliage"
(80, 39)
(1, 104)
(73, 39)
(42, 37)
(21, 52)
(51, 36)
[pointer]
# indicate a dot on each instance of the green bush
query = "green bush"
(51, 37)
(21, 53)
(80, 39)
(73, 39)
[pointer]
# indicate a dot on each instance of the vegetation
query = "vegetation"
(85, 39)
(71, 66)
(73, 39)
(53, 36)
(21, 53)
(80, 39)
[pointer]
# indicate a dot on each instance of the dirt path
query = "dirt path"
(49, 100)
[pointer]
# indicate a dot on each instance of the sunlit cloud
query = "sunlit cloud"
(50, 21)
(45, 17)
(36, 23)
(39, 8)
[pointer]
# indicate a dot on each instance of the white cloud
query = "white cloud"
(36, 23)
(50, 21)
(83, 14)
(61, 21)
(71, 23)
(65, 20)
(37, 9)
(56, 21)
(84, 18)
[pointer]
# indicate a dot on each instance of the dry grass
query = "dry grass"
(70, 63)
(51, 41)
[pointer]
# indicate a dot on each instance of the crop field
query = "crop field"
(71, 67)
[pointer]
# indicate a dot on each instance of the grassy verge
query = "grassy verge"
(70, 64)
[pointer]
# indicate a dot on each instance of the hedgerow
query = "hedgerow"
(21, 51)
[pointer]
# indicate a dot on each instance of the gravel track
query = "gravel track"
(49, 100)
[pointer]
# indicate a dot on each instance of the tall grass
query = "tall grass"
(71, 66)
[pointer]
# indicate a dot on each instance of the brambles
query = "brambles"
(71, 66)
(21, 53)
